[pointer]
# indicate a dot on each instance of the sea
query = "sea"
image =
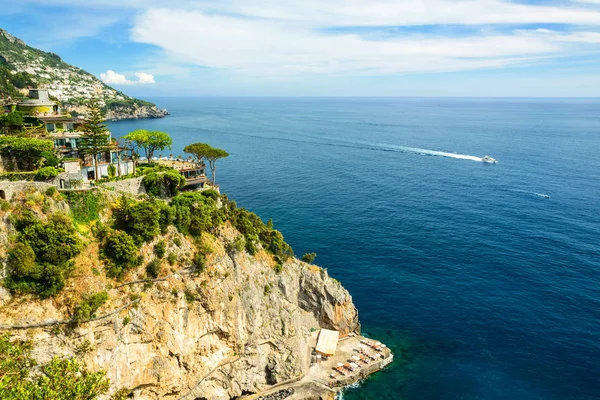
(484, 279)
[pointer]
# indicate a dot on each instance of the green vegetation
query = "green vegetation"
(150, 141)
(60, 379)
(153, 268)
(209, 153)
(95, 139)
(127, 104)
(112, 171)
(160, 249)
(11, 123)
(141, 219)
(10, 80)
(199, 262)
(167, 183)
(172, 259)
(28, 153)
(238, 244)
(85, 206)
(39, 259)
(86, 310)
(121, 252)
(46, 173)
(309, 257)
(195, 213)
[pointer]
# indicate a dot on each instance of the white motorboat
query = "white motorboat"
(489, 160)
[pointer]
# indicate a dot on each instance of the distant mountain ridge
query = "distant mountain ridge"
(22, 66)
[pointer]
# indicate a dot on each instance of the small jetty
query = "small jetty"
(336, 362)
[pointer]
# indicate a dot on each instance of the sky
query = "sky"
(532, 48)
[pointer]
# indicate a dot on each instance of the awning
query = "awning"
(327, 342)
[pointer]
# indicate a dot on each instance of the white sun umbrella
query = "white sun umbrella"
(340, 364)
(383, 345)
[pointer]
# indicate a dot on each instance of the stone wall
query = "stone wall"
(9, 189)
(130, 186)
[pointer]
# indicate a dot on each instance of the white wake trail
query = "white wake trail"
(434, 153)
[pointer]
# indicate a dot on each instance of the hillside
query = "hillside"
(192, 298)
(22, 66)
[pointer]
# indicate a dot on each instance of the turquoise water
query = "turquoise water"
(483, 288)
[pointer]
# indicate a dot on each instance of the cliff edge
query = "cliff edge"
(237, 327)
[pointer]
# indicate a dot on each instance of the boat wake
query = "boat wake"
(542, 195)
(427, 152)
(359, 144)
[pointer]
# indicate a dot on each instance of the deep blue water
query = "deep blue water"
(484, 289)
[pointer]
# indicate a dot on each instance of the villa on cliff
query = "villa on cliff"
(44, 118)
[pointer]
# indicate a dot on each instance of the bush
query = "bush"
(195, 213)
(309, 257)
(141, 220)
(60, 379)
(51, 192)
(172, 259)
(153, 268)
(167, 183)
(27, 152)
(112, 171)
(199, 262)
(87, 308)
(121, 251)
(238, 244)
(160, 249)
(85, 206)
(40, 259)
(274, 242)
(213, 194)
(46, 173)
(4, 205)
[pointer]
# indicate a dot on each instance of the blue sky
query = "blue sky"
(315, 47)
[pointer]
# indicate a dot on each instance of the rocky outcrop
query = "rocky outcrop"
(136, 112)
(234, 329)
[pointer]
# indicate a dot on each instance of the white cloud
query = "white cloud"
(144, 78)
(277, 38)
(113, 78)
(275, 47)
(110, 77)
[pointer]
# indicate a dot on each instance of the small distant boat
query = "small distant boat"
(489, 160)
(543, 195)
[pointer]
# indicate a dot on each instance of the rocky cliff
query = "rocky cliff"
(235, 328)
(22, 67)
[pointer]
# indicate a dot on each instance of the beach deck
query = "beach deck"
(355, 358)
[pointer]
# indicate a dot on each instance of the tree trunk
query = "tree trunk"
(96, 170)
(213, 169)
(118, 163)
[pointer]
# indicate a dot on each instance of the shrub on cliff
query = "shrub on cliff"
(46, 173)
(143, 220)
(121, 252)
(39, 260)
(60, 379)
(153, 268)
(163, 183)
(28, 153)
(195, 213)
(309, 257)
(91, 303)
(85, 206)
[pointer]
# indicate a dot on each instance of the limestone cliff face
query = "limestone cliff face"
(234, 329)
